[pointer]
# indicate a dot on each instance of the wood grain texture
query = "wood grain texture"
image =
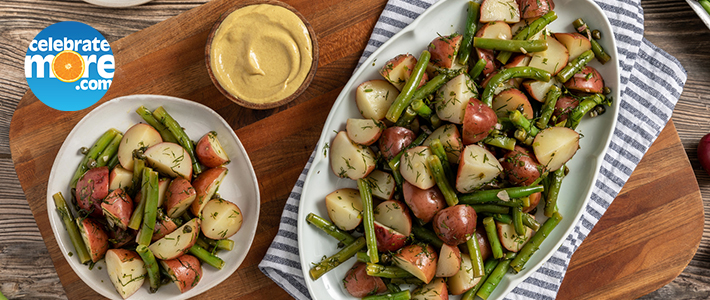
(26, 271)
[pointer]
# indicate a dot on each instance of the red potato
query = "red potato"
(483, 244)
(94, 237)
(535, 8)
(179, 196)
(451, 99)
(126, 271)
(534, 201)
(170, 159)
(139, 136)
(464, 279)
(538, 89)
(185, 271)
(120, 178)
(477, 167)
(449, 262)
(500, 10)
(398, 70)
(91, 189)
(382, 184)
(563, 107)
(491, 62)
(588, 80)
(418, 260)
(177, 242)
(388, 239)
(415, 169)
(344, 208)
(394, 214)
(364, 131)
(478, 122)
(163, 185)
(424, 204)
(374, 98)
(443, 50)
(574, 42)
(552, 60)
(163, 226)
(450, 139)
(117, 208)
(359, 284)
(455, 224)
(520, 166)
(554, 146)
(394, 139)
(509, 239)
(495, 30)
(349, 159)
(209, 151)
(221, 219)
(435, 290)
(511, 100)
(206, 184)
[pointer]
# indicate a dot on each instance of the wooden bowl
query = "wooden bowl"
(253, 105)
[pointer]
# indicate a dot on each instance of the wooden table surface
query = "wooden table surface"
(26, 269)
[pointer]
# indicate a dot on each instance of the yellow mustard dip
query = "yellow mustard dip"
(261, 53)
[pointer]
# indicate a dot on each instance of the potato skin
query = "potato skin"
(179, 197)
(454, 224)
(91, 189)
(483, 244)
(359, 284)
(443, 50)
(563, 107)
(534, 201)
(477, 122)
(535, 8)
(95, 238)
(209, 151)
(588, 80)
(118, 208)
(185, 271)
(521, 167)
(394, 139)
(424, 204)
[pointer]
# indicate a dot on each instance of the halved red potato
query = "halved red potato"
(478, 166)
(443, 50)
(374, 98)
(94, 237)
(163, 226)
(538, 89)
(91, 189)
(434, 290)
(491, 62)
(500, 10)
(455, 224)
(563, 107)
(574, 42)
(177, 242)
(163, 184)
(394, 214)
(359, 284)
(419, 260)
(520, 166)
(535, 8)
(451, 99)
(221, 219)
(415, 169)
(178, 197)
(495, 30)
(450, 139)
(170, 159)
(511, 100)
(509, 239)
(388, 239)
(364, 131)
(185, 271)
(449, 261)
(424, 204)
(349, 159)
(552, 60)
(209, 151)
(394, 139)
(534, 201)
(398, 70)
(464, 279)
(139, 136)
(554, 146)
(483, 243)
(118, 207)
(126, 271)
(478, 121)
(206, 184)
(120, 178)
(344, 208)
(382, 184)
(588, 80)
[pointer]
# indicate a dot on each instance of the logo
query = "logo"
(69, 66)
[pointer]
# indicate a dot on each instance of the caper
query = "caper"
(91, 163)
(596, 34)
(84, 150)
(607, 90)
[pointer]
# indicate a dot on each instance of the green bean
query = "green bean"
(93, 153)
(329, 228)
(530, 222)
(528, 32)
(405, 96)
(507, 74)
(151, 265)
(524, 46)
(330, 263)
(407, 117)
(386, 271)
(500, 141)
(471, 23)
(431, 86)
(478, 68)
(548, 108)
(494, 278)
(534, 243)
(599, 52)
(490, 265)
(575, 66)
(426, 236)
(438, 149)
(206, 256)
(490, 208)
(441, 181)
(180, 135)
(507, 219)
(421, 108)
(492, 234)
(368, 219)
(151, 207)
(474, 252)
(518, 221)
(152, 121)
(553, 192)
(586, 105)
(138, 212)
(520, 121)
(493, 195)
(72, 229)
(110, 151)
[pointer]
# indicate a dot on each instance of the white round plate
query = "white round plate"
(239, 186)
(444, 18)
(117, 3)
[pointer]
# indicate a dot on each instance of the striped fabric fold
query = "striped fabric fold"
(651, 83)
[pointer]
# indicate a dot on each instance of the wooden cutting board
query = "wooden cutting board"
(647, 237)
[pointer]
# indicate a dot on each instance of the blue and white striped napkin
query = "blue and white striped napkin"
(651, 83)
